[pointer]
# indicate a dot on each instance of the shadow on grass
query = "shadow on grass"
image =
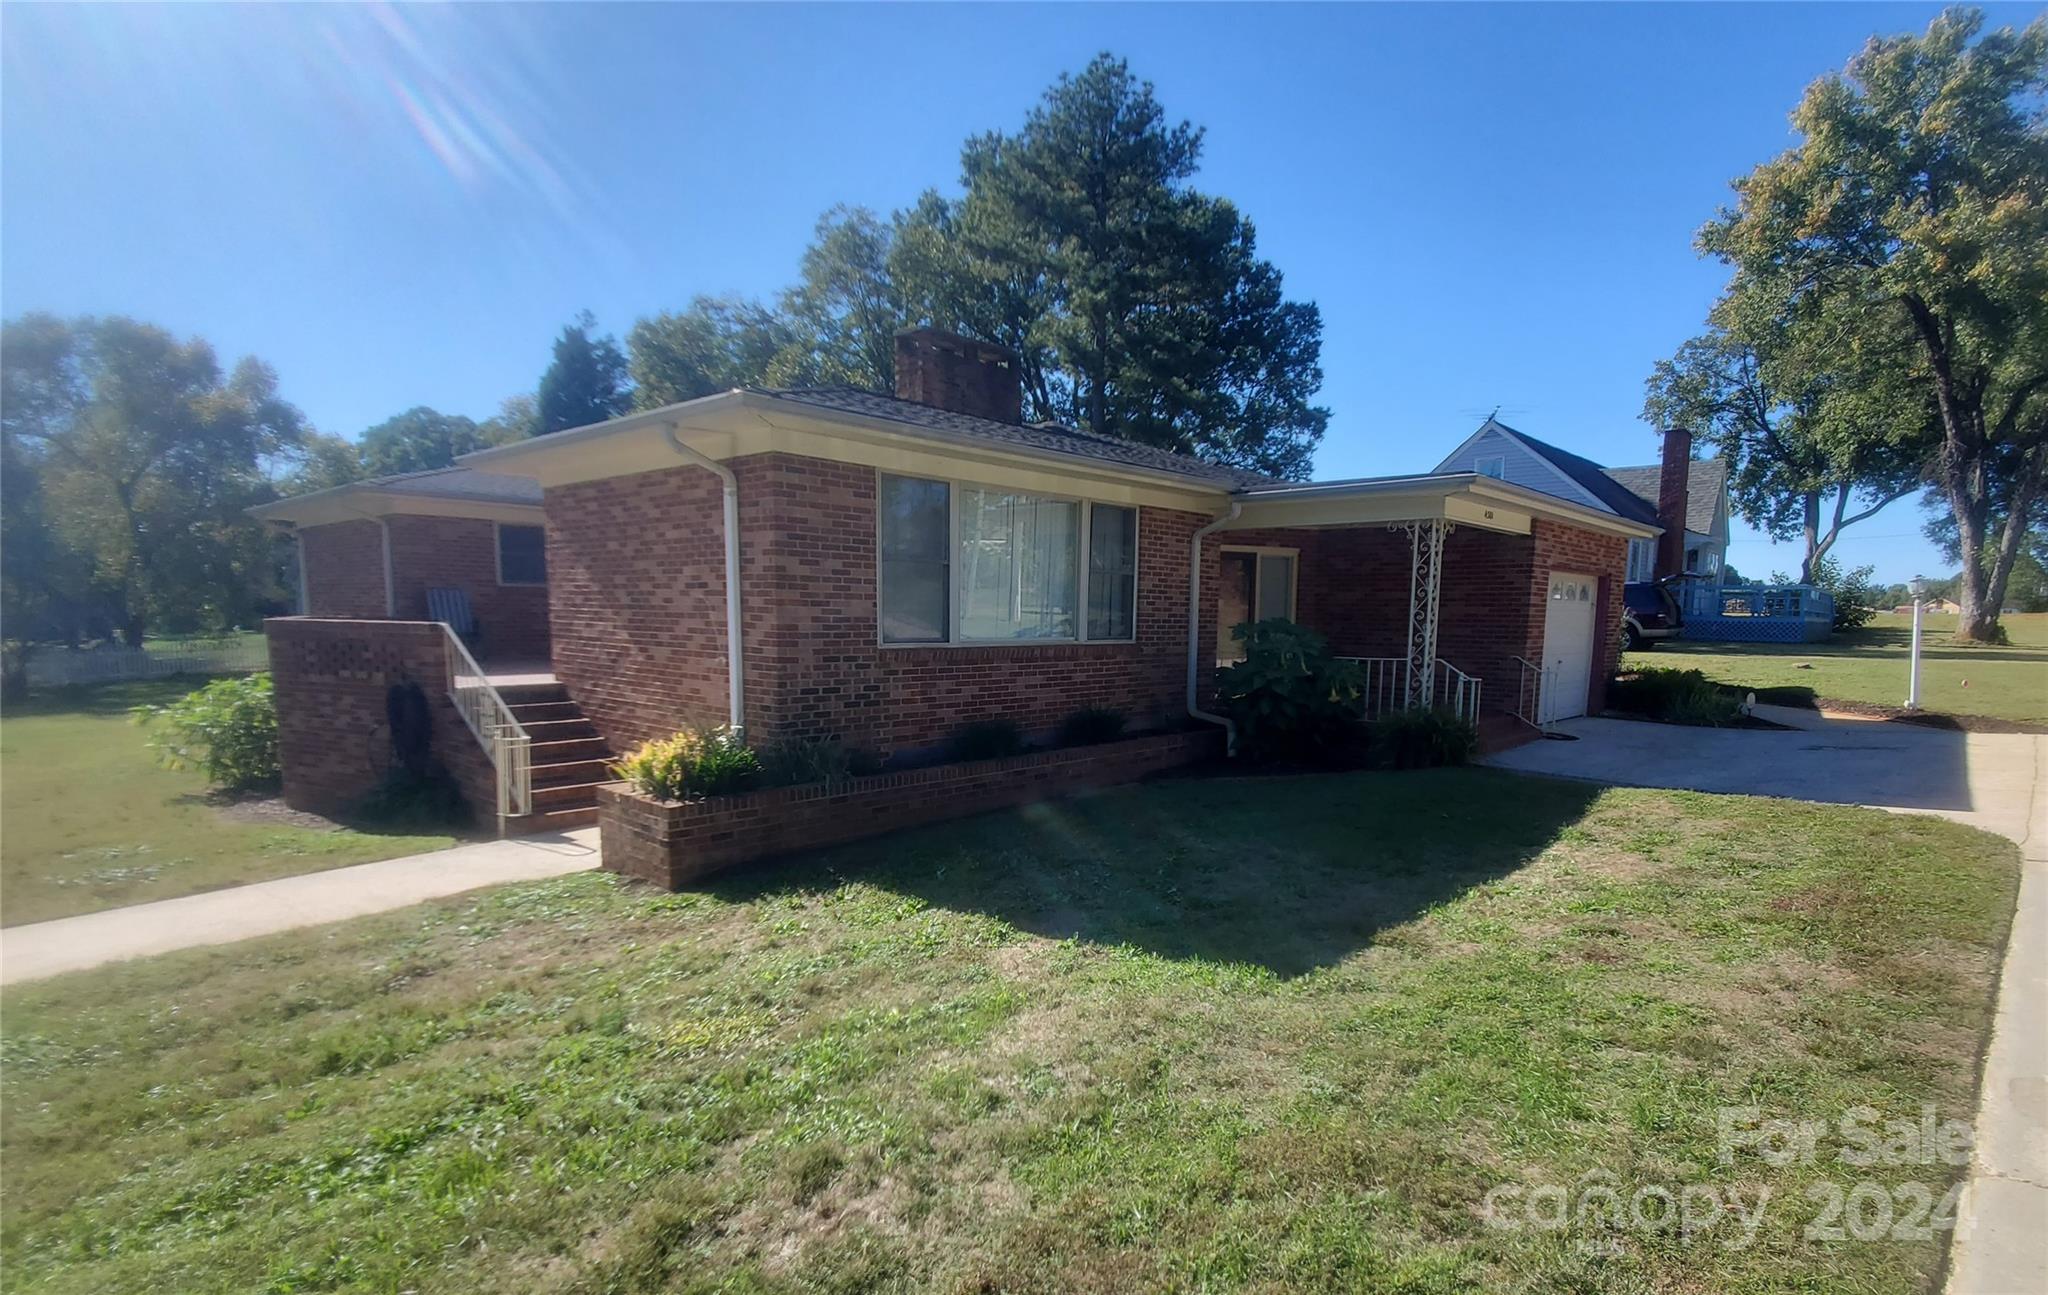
(1288, 874)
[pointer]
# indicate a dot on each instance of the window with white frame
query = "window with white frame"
(979, 564)
(522, 555)
(1642, 559)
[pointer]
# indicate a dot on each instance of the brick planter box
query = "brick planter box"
(672, 843)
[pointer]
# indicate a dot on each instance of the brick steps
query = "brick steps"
(570, 760)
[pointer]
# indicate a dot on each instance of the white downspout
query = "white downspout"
(1195, 624)
(735, 691)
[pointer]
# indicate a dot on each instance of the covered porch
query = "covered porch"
(1455, 591)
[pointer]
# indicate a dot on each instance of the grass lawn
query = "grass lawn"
(1272, 1034)
(87, 820)
(1869, 666)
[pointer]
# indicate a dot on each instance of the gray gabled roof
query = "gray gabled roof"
(1704, 482)
(460, 483)
(1589, 475)
(1036, 436)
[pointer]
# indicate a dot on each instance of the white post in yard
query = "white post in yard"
(1918, 586)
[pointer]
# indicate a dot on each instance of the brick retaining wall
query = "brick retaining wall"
(332, 739)
(672, 844)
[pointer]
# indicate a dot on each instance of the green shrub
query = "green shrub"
(986, 739)
(1675, 697)
(1092, 725)
(1290, 699)
(1422, 738)
(227, 730)
(691, 764)
(404, 800)
(795, 761)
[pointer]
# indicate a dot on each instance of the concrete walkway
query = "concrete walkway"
(1994, 781)
(267, 907)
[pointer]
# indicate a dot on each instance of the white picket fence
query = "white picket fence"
(52, 667)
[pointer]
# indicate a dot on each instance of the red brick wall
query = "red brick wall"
(344, 565)
(1566, 548)
(636, 596)
(462, 553)
(332, 677)
(671, 844)
(345, 577)
(638, 592)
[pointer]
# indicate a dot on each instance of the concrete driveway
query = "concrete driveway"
(1994, 781)
(1984, 779)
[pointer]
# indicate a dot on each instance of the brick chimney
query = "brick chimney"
(956, 373)
(1672, 474)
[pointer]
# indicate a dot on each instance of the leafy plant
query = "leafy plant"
(986, 739)
(1092, 725)
(1289, 697)
(1422, 738)
(795, 761)
(1675, 697)
(691, 763)
(227, 730)
(408, 799)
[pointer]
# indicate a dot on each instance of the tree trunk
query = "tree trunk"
(1810, 531)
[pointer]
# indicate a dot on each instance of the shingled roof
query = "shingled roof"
(1590, 476)
(1704, 482)
(1033, 436)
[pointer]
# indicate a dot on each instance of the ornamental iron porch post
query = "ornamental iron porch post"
(1425, 583)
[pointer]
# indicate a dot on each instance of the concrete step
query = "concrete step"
(595, 769)
(554, 820)
(527, 712)
(565, 795)
(556, 730)
(563, 750)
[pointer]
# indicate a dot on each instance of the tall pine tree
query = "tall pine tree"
(587, 383)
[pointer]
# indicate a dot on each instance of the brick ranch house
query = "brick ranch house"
(891, 567)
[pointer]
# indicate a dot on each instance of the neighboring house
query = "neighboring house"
(372, 550)
(1700, 498)
(1706, 518)
(904, 564)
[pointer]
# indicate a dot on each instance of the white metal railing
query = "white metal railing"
(1383, 684)
(1385, 687)
(1530, 693)
(504, 739)
(53, 667)
(1457, 692)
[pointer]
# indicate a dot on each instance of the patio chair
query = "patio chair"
(451, 608)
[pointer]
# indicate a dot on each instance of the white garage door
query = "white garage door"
(1568, 644)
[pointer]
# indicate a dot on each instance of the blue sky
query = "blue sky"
(400, 206)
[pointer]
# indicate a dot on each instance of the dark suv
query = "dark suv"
(1649, 613)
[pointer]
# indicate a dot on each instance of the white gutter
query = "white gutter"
(736, 696)
(390, 587)
(1195, 625)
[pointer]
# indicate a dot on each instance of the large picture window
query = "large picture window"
(978, 564)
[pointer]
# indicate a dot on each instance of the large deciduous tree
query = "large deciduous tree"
(417, 440)
(717, 344)
(1808, 454)
(141, 456)
(1914, 212)
(587, 381)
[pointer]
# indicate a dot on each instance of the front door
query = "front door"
(1253, 585)
(1568, 621)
